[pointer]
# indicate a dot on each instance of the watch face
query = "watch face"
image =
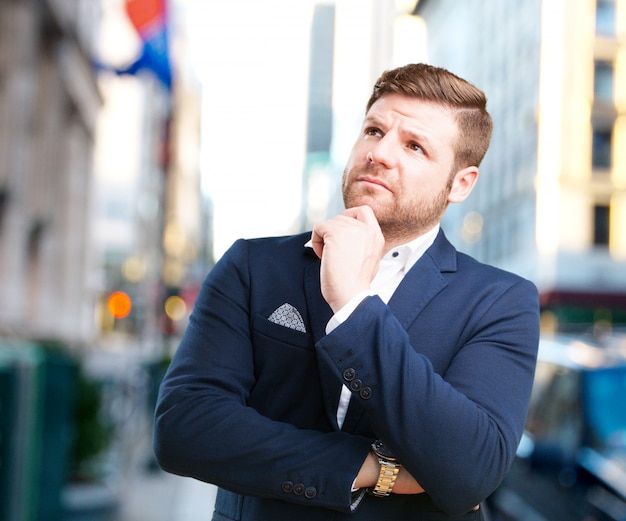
(381, 449)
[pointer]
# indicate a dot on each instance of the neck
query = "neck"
(393, 240)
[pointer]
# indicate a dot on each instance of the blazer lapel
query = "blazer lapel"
(319, 315)
(318, 309)
(424, 281)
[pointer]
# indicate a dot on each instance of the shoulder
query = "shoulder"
(272, 249)
(467, 263)
(267, 251)
(281, 243)
(488, 284)
(470, 270)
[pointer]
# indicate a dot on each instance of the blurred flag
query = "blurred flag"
(149, 17)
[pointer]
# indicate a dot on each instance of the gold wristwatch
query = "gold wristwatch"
(389, 468)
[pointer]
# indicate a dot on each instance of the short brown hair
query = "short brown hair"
(438, 85)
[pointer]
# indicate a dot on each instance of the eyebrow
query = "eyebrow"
(373, 120)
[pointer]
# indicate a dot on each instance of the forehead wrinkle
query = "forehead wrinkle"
(404, 130)
(413, 121)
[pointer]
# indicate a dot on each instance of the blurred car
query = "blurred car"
(571, 462)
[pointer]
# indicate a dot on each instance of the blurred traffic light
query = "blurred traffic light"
(175, 307)
(119, 304)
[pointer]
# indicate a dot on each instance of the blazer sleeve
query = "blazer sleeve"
(204, 427)
(456, 429)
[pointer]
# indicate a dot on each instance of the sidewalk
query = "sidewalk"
(158, 496)
(147, 493)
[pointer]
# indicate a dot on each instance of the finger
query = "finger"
(361, 213)
(317, 242)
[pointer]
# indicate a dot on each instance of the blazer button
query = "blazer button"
(349, 374)
(366, 393)
(298, 489)
(287, 486)
(310, 492)
(356, 384)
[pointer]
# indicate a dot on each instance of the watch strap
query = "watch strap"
(386, 478)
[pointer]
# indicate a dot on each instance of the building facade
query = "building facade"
(361, 39)
(551, 201)
(99, 175)
(49, 102)
(150, 221)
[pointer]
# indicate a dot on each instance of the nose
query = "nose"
(383, 153)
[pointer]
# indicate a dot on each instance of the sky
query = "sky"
(252, 58)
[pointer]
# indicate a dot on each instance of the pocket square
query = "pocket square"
(288, 316)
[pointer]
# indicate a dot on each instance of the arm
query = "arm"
(455, 429)
(205, 427)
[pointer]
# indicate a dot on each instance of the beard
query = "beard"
(400, 218)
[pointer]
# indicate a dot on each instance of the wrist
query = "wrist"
(342, 314)
(389, 468)
(368, 474)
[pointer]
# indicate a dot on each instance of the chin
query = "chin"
(352, 200)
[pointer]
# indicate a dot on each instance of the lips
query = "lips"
(373, 181)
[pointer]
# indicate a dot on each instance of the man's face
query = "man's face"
(401, 165)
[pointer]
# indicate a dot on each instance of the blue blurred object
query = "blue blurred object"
(150, 19)
(571, 462)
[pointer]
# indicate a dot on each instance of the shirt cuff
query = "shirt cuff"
(356, 498)
(342, 315)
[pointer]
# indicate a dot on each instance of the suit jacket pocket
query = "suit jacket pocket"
(263, 326)
(287, 386)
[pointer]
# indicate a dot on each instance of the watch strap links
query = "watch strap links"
(386, 479)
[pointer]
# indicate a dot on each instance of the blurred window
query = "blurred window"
(4, 199)
(605, 17)
(603, 81)
(601, 148)
(601, 223)
(555, 417)
(605, 407)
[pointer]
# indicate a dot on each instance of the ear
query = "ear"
(463, 183)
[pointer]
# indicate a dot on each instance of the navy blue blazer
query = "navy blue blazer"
(442, 374)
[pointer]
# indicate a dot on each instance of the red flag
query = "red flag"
(149, 18)
(146, 15)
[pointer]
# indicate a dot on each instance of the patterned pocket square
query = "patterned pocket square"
(288, 316)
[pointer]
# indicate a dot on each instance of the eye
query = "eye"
(416, 147)
(373, 131)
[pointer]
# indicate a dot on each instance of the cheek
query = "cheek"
(417, 191)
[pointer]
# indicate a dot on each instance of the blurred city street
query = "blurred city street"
(126, 173)
(158, 496)
(144, 491)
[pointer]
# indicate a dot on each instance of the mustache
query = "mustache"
(367, 172)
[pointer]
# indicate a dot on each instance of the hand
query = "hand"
(350, 246)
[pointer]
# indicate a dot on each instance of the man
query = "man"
(368, 370)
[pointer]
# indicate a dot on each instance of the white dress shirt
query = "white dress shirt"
(393, 266)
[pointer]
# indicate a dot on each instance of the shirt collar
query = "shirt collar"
(407, 254)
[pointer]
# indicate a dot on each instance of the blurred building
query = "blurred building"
(352, 42)
(551, 201)
(99, 171)
(49, 103)
(319, 116)
(151, 224)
